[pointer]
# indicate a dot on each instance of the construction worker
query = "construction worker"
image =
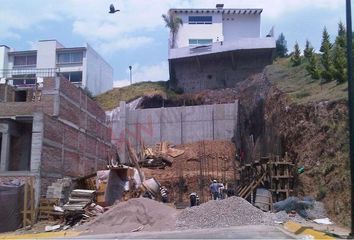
(194, 199)
(164, 194)
(214, 189)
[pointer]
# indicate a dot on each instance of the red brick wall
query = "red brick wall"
(78, 138)
(10, 93)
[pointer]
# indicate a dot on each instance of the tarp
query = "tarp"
(11, 205)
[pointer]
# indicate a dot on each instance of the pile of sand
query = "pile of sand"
(137, 214)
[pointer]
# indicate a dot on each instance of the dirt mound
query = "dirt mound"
(192, 171)
(233, 211)
(137, 213)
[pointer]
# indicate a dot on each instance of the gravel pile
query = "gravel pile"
(233, 211)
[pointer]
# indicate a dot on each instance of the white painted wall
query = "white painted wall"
(3, 58)
(46, 53)
(238, 26)
(97, 73)
(241, 26)
(199, 31)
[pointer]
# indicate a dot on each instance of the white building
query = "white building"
(83, 66)
(209, 37)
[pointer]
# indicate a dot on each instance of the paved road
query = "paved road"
(239, 232)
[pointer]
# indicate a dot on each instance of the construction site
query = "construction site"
(229, 148)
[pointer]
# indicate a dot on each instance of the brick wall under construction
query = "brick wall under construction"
(69, 134)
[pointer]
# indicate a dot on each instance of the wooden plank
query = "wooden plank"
(33, 213)
(24, 223)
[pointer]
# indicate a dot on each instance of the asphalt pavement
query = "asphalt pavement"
(238, 232)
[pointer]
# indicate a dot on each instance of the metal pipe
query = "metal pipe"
(350, 106)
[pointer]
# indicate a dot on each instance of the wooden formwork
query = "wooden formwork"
(273, 173)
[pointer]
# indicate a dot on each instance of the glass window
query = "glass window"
(76, 57)
(193, 42)
(18, 82)
(29, 60)
(200, 19)
(70, 57)
(74, 77)
(20, 61)
(64, 58)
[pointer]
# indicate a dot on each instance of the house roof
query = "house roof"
(22, 52)
(71, 49)
(240, 11)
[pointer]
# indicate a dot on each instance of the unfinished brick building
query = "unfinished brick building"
(50, 133)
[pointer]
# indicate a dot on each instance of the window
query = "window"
(29, 60)
(75, 77)
(194, 42)
(200, 19)
(70, 57)
(28, 79)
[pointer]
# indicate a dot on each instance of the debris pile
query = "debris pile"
(137, 214)
(233, 211)
(60, 189)
(159, 157)
(305, 208)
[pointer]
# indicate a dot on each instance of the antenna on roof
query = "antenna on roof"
(219, 6)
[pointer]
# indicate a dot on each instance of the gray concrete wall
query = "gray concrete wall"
(221, 70)
(177, 125)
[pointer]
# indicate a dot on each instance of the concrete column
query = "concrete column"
(121, 132)
(5, 151)
(37, 141)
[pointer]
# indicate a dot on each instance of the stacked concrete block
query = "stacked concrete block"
(60, 189)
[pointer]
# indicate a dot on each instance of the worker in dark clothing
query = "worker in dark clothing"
(214, 189)
(194, 199)
(164, 194)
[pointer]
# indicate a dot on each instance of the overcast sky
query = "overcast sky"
(137, 36)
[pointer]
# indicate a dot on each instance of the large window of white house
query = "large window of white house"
(74, 77)
(197, 42)
(69, 57)
(200, 19)
(25, 61)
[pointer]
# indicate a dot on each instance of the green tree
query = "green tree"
(281, 46)
(327, 72)
(339, 55)
(325, 40)
(308, 51)
(296, 58)
(312, 67)
(173, 23)
(341, 37)
(339, 64)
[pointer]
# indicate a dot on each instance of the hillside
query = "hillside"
(312, 118)
(111, 99)
(298, 85)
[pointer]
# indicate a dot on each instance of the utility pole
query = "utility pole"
(130, 71)
(350, 106)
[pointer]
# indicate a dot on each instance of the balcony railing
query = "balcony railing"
(28, 73)
(236, 44)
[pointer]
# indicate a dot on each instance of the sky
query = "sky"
(137, 35)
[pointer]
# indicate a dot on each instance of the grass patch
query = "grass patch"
(111, 99)
(298, 84)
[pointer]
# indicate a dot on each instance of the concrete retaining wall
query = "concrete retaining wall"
(177, 125)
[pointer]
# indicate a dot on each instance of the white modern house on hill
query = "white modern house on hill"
(82, 66)
(214, 48)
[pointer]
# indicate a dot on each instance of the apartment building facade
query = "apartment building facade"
(82, 66)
